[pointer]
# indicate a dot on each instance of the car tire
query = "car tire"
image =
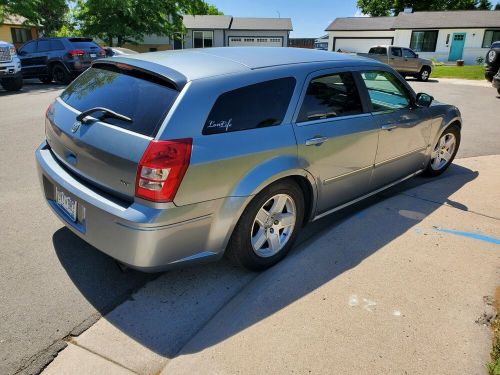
(46, 79)
(12, 84)
(268, 227)
(444, 151)
(492, 56)
(60, 74)
(424, 74)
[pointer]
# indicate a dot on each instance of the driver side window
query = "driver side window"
(385, 90)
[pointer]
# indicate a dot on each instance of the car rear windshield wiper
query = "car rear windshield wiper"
(105, 113)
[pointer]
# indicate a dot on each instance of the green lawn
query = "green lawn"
(463, 72)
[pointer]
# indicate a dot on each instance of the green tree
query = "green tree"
(484, 5)
(497, 7)
(393, 7)
(49, 15)
(130, 20)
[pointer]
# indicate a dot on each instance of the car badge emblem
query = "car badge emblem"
(75, 126)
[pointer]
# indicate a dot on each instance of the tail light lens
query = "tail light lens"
(162, 168)
(76, 52)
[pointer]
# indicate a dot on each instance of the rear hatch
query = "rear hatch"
(102, 149)
(91, 51)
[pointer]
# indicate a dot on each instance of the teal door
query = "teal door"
(457, 46)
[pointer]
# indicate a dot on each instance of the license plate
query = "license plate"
(68, 204)
(93, 55)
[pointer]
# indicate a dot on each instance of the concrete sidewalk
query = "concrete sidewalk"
(394, 288)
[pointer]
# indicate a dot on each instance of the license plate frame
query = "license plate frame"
(67, 204)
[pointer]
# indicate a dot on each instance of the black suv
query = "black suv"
(58, 59)
(492, 72)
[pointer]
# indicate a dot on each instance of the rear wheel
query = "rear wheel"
(60, 74)
(444, 151)
(424, 74)
(12, 84)
(268, 227)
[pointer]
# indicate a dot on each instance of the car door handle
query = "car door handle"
(316, 141)
(389, 127)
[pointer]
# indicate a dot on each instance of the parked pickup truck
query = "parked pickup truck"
(11, 78)
(402, 59)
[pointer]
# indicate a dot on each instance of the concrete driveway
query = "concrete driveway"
(56, 285)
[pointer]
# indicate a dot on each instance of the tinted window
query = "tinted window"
(330, 96)
(43, 46)
(56, 45)
(29, 48)
(378, 50)
(385, 90)
(396, 52)
(255, 106)
(143, 98)
(409, 53)
(78, 44)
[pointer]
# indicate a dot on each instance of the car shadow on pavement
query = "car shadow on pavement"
(34, 87)
(182, 302)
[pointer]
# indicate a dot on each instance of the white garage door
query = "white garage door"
(359, 45)
(255, 41)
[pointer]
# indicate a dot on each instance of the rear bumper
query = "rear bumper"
(143, 237)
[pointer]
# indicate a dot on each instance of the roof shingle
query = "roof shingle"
(420, 20)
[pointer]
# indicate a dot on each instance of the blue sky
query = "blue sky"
(310, 18)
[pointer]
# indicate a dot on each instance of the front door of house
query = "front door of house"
(457, 46)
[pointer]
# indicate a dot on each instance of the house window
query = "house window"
(490, 36)
(424, 41)
(203, 39)
(20, 35)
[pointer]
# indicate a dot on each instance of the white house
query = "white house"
(446, 35)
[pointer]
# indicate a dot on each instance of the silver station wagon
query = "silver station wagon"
(169, 158)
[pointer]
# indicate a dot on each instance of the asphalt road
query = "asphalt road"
(53, 284)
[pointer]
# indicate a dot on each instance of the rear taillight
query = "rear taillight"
(76, 52)
(162, 168)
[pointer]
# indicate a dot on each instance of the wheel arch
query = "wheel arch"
(252, 184)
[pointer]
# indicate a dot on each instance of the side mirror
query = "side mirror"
(21, 53)
(423, 99)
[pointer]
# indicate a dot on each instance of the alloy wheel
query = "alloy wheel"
(273, 225)
(443, 152)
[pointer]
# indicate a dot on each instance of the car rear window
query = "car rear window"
(255, 106)
(83, 43)
(143, 97)
(378, 50)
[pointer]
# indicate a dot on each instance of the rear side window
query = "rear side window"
(43, 45)
(56, 45)
(330, 96)
(396, 52)
(135, 94)
(255, 106)
(378, 50)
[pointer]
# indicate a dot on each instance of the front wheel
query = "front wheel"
(12, 84)
(424, 74)
(444, 151)
(268, 227)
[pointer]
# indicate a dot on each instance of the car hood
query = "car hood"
(5, 44)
